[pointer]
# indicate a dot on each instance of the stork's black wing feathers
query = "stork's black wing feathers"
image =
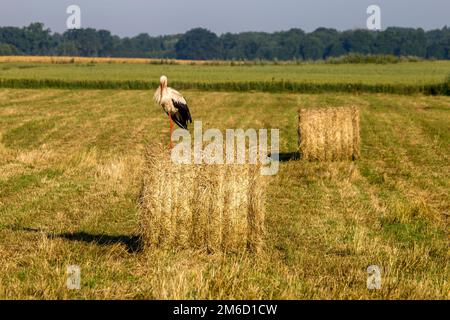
(183, 115)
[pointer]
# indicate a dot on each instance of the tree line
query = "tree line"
(202, 44)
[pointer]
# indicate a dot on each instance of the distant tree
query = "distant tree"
(312, 48)
(250, 44)
(401, 42)
(329, 38)
(387, 42)
(200, 44)
(413, 43)
(87, 41)
(229, 44)
(67, 48)
(288, 44)
(15, 37)
(8, 50)
(334, 49)
(107, 43)
(358, 41)
(39, 40)
(245, 45)
(438, 44)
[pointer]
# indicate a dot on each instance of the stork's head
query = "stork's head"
(163, 82)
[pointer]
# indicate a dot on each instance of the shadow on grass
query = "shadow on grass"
(132, 243)
(287, 156)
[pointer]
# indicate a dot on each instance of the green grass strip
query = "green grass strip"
(241, 86)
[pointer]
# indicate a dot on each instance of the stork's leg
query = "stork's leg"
(171, 130)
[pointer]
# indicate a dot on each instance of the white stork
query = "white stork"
(174, 104)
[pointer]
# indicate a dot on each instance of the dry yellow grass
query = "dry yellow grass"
(329, 134)
(70, 199)
(49, 59)
(79, 60)
(206, 207)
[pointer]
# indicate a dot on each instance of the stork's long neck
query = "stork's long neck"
(162, 89)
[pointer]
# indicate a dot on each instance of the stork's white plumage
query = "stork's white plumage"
(174, 104)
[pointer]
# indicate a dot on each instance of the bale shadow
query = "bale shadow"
(287, 156)
(132, 243)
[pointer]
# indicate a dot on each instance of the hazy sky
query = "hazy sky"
(157, 17)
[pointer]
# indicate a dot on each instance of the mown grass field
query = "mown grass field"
(70, 164)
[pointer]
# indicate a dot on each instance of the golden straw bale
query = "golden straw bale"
(329, 134)
(210, 207)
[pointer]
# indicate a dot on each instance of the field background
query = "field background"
(70, 164)
(425, 72)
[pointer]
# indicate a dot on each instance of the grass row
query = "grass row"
(241, 86)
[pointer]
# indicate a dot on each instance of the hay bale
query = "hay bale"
(210, 207)
(329, 134)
